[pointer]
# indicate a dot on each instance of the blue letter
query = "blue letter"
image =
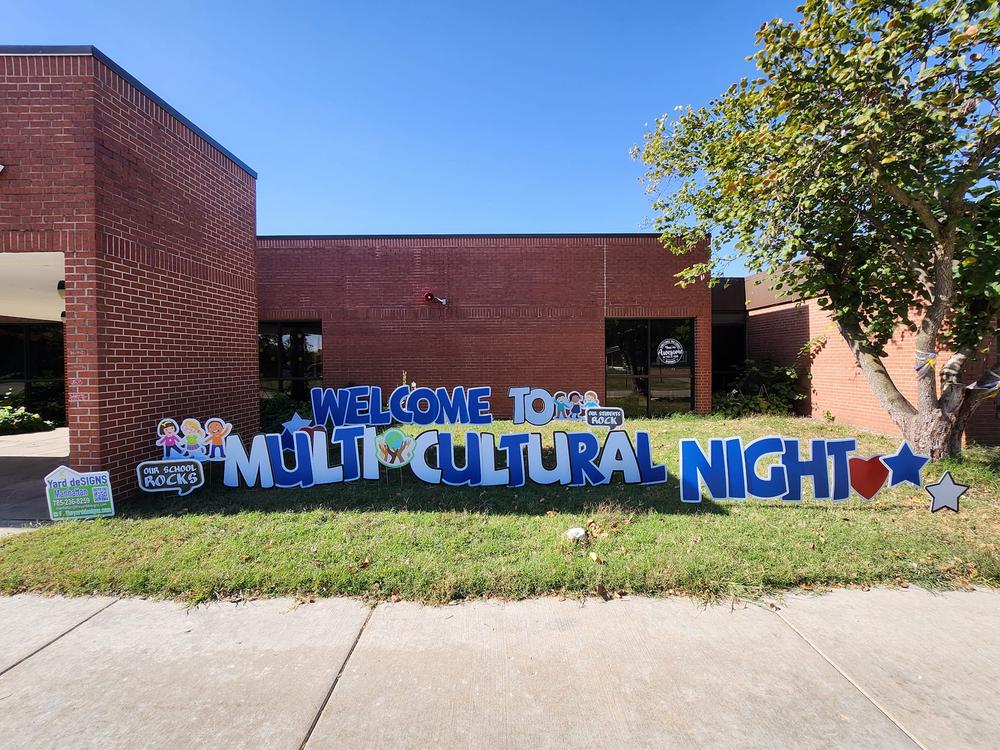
(776, 484)
(379, 414)
(301, 475)
(815, 467)
(454, 409)
(695, 467)
(357, 405)
(396, 407)
(838, 450)
(651, 473)
(583, 449)
(451, 474)
(513, 443)
(479, 405)
(735, 469)
(423, 416)
(327, 405)
(350, 455)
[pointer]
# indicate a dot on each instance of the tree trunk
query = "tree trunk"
(936, 433)
(931, 430)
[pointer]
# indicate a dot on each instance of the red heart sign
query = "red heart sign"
(867, 475)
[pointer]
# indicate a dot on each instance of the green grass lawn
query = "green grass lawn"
(401, 538)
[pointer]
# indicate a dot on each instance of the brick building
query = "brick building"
(798, 333)
(559, 312)
(149, 224)
(133, 287)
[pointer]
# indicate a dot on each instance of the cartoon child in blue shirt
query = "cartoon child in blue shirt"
(562, 405)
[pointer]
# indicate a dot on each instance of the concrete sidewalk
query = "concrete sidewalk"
(850, 669)
(24, 462)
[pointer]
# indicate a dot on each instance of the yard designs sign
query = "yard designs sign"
(78, 494)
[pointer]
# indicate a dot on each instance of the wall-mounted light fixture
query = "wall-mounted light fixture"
(1, 167)
(431, 297)
(61, 288)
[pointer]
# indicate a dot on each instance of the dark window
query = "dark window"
(290, 356)
(649, 365)
(729, 351)
(32, 367)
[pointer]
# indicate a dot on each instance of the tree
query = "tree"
(860, 168)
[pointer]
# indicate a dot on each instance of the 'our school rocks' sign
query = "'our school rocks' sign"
(349, 419)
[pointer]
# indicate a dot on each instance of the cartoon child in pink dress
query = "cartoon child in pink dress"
(169, 440)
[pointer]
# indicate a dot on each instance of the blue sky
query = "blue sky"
(423, 117)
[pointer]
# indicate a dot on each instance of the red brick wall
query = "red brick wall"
(521, 310)
(177, 318)
(47, 203)
(837, 386)
(158, 227)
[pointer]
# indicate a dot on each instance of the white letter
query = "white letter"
(256, 465)
(418, 463)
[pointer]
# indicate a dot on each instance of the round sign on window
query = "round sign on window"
(670, 351)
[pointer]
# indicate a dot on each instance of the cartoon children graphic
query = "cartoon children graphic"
(562, 405)
(215, 441)
(590, 400)
(192, 436)
(169, 440)
(575, 405)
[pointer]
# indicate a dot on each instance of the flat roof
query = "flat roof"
(513, 235)
(87, 49)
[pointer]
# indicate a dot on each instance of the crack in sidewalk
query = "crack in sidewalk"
(870, 698)
(61, 635)
(336, 679)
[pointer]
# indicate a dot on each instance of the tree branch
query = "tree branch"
(971, 171)
(904, 198)
(952, 390)
(894, 402)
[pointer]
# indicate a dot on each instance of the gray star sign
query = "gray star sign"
(945, 493)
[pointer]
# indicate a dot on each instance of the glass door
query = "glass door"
(649, 365)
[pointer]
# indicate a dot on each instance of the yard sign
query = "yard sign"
(74, 494)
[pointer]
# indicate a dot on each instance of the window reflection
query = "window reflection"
(290, 356)
(649, 365)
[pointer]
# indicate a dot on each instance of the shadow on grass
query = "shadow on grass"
(398, 490)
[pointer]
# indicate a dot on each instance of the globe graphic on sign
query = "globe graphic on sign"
(394, 448)
(670, 351)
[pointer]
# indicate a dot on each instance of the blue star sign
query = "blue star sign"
(905, 466)
(292, 426)
(945, 493)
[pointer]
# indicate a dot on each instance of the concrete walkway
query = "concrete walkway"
(887, 669)
(24, 462)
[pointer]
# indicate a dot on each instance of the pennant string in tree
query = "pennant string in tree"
(990, 382)
(925, 362)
